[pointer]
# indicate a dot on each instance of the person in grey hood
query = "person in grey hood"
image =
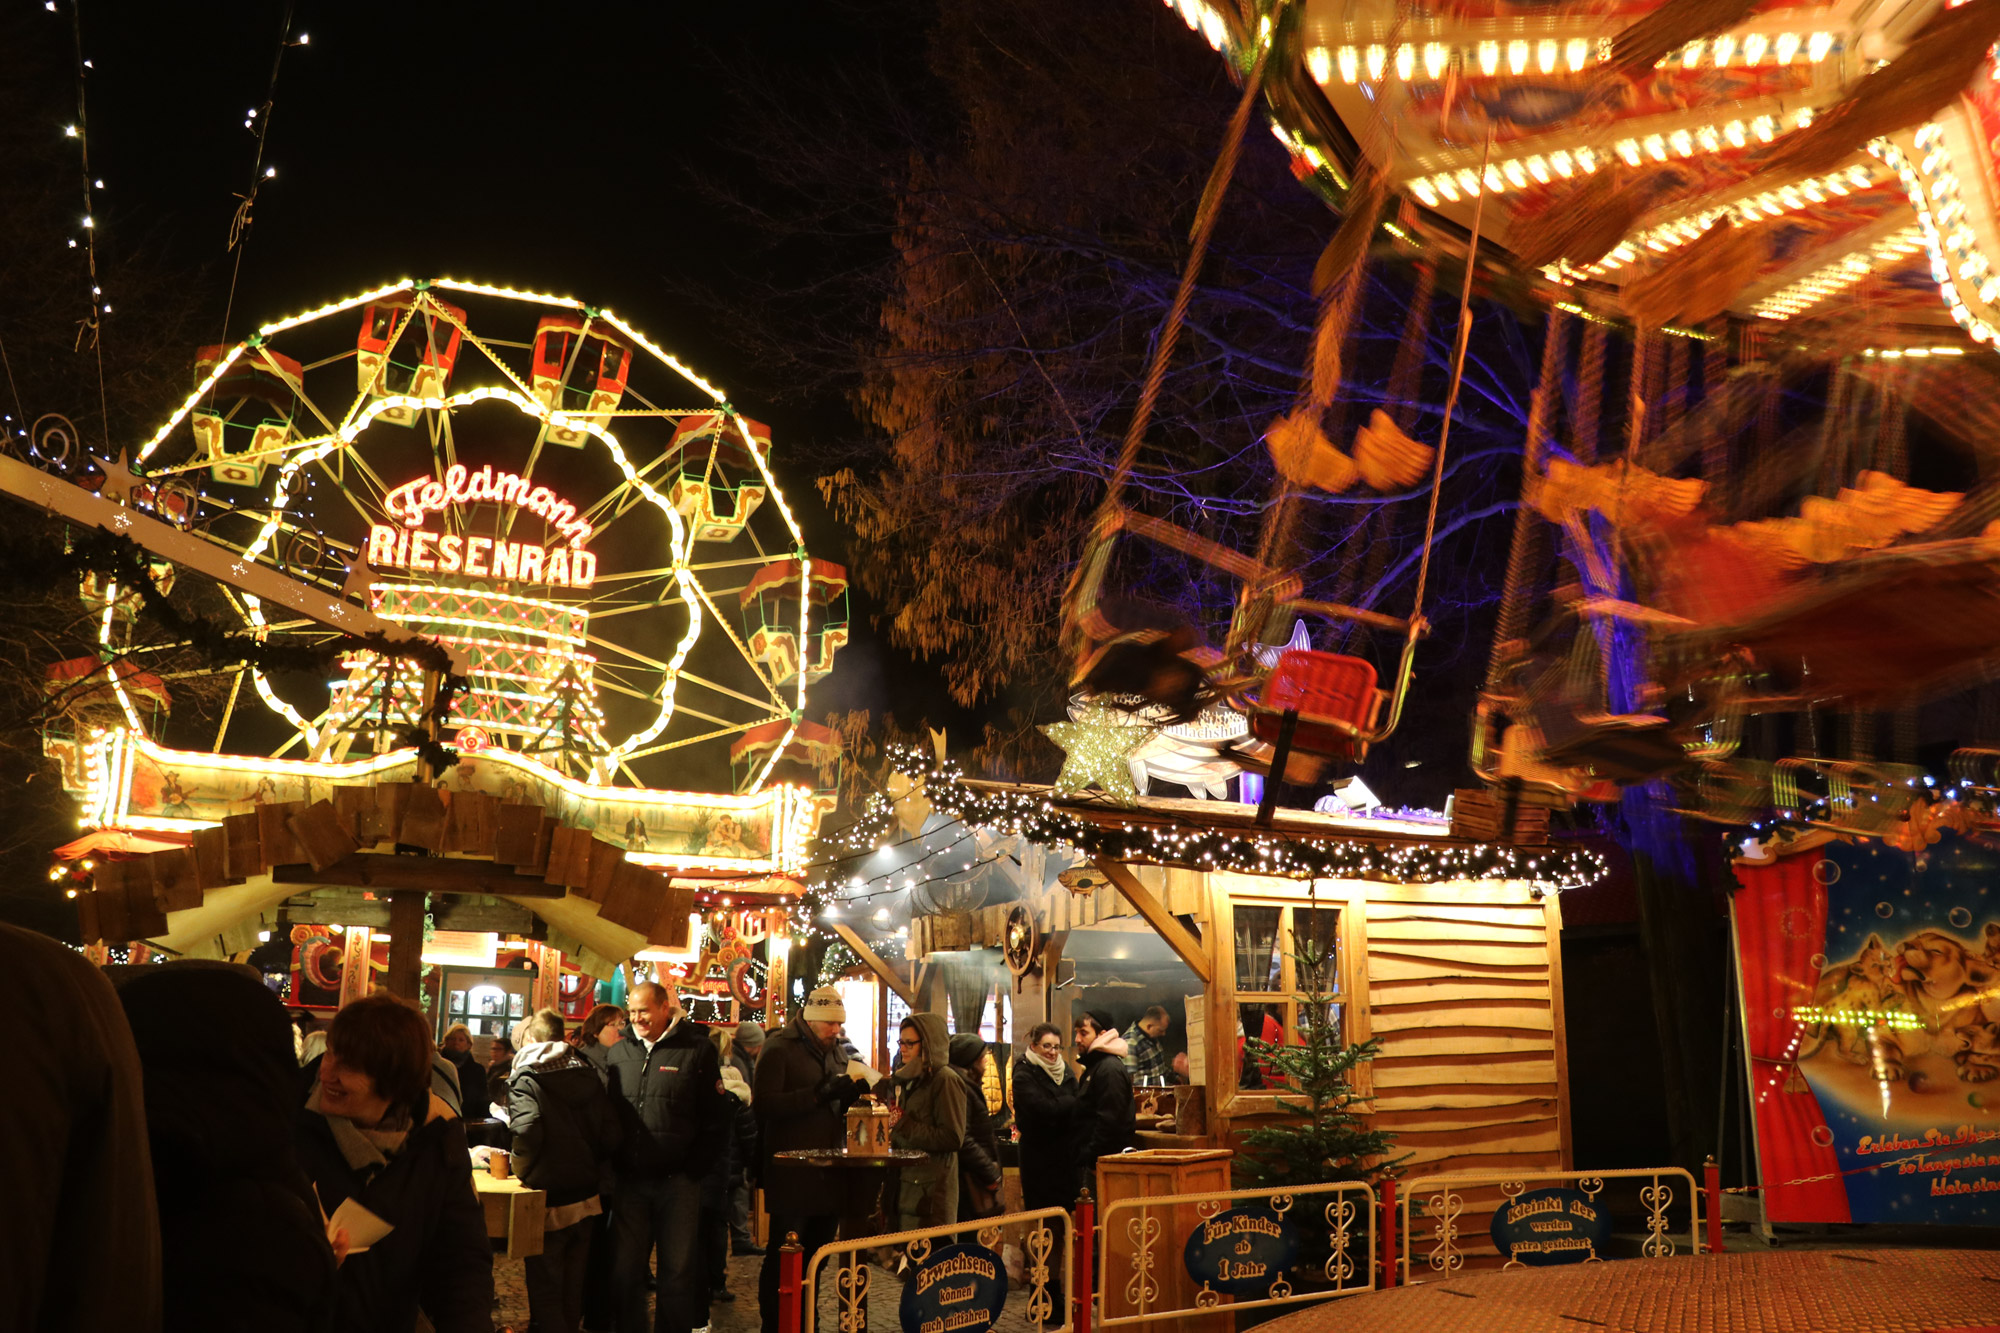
(565, 1136)
(930, 1118)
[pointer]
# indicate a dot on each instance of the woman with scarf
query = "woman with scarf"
(930, 1119)
(374, 1132)
(1045, 1114)
(1106, 1121)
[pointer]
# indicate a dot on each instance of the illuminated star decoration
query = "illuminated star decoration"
(119, 481)
(1095, 754)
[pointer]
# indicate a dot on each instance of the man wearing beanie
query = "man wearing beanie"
(744, 1048)
(1105, 1120)
(802, 1092)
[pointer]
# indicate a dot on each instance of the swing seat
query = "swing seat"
(1334, 696)
(1887, 626)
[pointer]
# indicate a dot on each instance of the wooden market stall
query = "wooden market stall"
(1460, 979)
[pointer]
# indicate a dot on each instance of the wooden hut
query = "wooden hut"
(1460, 978)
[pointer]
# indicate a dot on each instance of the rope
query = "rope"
(1451, 397)
(1525, 551)
(1091, 567)
(1170, 332)
(239, 221)
(1589, 394)
(94, 325)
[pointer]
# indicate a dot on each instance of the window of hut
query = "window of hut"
(1287, 960)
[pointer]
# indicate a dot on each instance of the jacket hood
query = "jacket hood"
(936, 1048)
(1111, 1043)
(966, 1048)
(537, 1053)
(733, 1084)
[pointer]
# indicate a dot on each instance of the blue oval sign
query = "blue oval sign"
(959, 1289)
(1543, 1228)
(1241, 1252)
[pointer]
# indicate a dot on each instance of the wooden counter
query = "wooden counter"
(514, 1213)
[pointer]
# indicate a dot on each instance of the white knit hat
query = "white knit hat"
(825, 1006)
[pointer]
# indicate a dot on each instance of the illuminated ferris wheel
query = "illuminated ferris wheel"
(536, 483)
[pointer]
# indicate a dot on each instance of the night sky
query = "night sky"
(581, 150)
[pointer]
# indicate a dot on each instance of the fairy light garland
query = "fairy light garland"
(1039, 819)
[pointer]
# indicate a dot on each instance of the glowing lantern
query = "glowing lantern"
(714, 463)
(238, 456)
(771, 609)
(811, 760)
(578, 370)
(398, 353)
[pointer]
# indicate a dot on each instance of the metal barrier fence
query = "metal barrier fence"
(1444, 1199)
(1048, 1247)
(1265, 1240)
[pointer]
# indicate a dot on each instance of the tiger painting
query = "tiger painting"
(1978, 1057)
(1863, 983)
(1941, 981)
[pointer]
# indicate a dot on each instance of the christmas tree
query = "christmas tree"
(1327, 1142)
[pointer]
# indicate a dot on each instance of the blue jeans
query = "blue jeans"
(663, 1215)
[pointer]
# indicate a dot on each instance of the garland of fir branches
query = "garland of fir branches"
(118, 558)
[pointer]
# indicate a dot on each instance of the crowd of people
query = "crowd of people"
(309, 1176)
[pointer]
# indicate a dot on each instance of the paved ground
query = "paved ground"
(1759, 1291)
(740, 1316)
(1822, 1291)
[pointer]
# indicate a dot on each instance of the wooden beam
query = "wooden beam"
(406, 943)
(383, 872)
(1178, 937)
(875, 963)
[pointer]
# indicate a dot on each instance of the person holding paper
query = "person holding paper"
(670, 1074)
(388, 1160)
(803, 1090)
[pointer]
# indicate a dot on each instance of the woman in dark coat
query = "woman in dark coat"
(1045, 1114)
(372, 1131)
(1106, 1120)
(979, 1156)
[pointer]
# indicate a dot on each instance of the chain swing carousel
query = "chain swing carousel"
(606, 737)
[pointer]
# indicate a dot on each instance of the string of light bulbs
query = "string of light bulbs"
(92, 325)
(1037, 817)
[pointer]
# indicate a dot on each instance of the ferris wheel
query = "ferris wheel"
(538, 485)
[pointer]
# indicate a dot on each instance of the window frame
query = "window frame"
(1226, 1001)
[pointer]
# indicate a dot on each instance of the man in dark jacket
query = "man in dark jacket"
(565, 1137)
(373, 1131)
(1106, 1121)
(243, 1246)
(801, 1098)
(667, 1069)
(979, 1155)
(83, 1239)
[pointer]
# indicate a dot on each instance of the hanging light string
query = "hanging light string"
(1036, 816)
(80, 131)
(258, 121)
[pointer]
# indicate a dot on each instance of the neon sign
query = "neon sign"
(410, 547)
(414, 501)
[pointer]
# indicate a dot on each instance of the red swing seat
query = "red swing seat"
(1334, 696)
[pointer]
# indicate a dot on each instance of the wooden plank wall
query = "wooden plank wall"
(1461, 993)
(1465, 993)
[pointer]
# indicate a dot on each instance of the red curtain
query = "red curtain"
(1780, 926)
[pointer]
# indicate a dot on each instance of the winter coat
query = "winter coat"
(933, 1122)
(242, 1246)
(471, 1075)
(83, 1240)
(676, 1090)
(1106, 1121)
(742, 1122)
(801, 1098)
(566, 1133)
(438, 1256)
(979, 1155)
(1046, 1114)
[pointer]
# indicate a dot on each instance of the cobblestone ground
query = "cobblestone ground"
(510, 1307)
